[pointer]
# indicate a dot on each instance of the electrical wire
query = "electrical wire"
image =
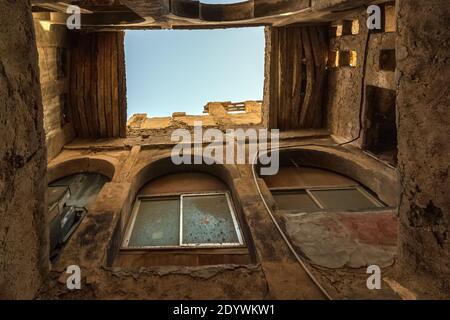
(280, 230)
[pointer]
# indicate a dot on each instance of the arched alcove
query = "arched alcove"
(377, 178)
(188, 211)
(73, 186)
(102, 165)
(337, 208)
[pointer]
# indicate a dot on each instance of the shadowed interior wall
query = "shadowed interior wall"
(54, 50)
(423, 101)
(23, 232)
(97, 84)
(297, 77)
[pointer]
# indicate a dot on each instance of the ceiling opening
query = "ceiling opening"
(172, 71)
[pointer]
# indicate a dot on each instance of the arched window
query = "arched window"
(302, 188)
(183, 210)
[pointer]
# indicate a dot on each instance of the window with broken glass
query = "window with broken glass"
(185, 220)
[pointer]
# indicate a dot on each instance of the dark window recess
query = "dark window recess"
(381, 133)
(387, 60)
(347, 59)
(65, 110)
(62, 62)
(347, 27)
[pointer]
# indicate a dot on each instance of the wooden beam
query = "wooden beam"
(60, 7)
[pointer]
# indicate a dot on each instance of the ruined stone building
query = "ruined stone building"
(364, 148)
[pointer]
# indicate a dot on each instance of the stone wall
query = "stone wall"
(347, 84)
(23, 233)
(423, 100)
(54, 50)
(219, 115)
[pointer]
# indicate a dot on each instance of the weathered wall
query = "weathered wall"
(346, 85)
(23, 240)
(54, 50)
(423, 100)
(219, 116)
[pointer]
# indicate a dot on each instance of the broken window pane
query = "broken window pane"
(208, 220)
(344, 199)
(157, 223)
(294, 200)
(84, 187)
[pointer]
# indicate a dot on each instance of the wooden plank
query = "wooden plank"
(291, 74)
(114, 86)
(273, 106)
(100, 84)
(88, 108)
(300, 79)
(93, 85)
(297, 81)
(316, 92)
(73, 95)
(80, 89)
(287, 78)
(310, 70)
(122, 85)
(322, 77)
(281, 84)
(107, 82)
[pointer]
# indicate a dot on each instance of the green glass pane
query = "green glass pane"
(344, 199)
(294, 200)
(207, 219)
(157, 224)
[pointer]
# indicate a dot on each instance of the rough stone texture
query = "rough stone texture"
(345, 83)
(23, 232)
(52, 43)
(218, 116)
(423, 100)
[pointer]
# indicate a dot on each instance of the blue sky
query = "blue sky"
(182, 70)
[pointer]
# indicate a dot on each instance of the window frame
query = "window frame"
(321, 208)
(181, 245)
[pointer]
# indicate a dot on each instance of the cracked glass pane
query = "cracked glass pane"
(157, 223)
(208, 220)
